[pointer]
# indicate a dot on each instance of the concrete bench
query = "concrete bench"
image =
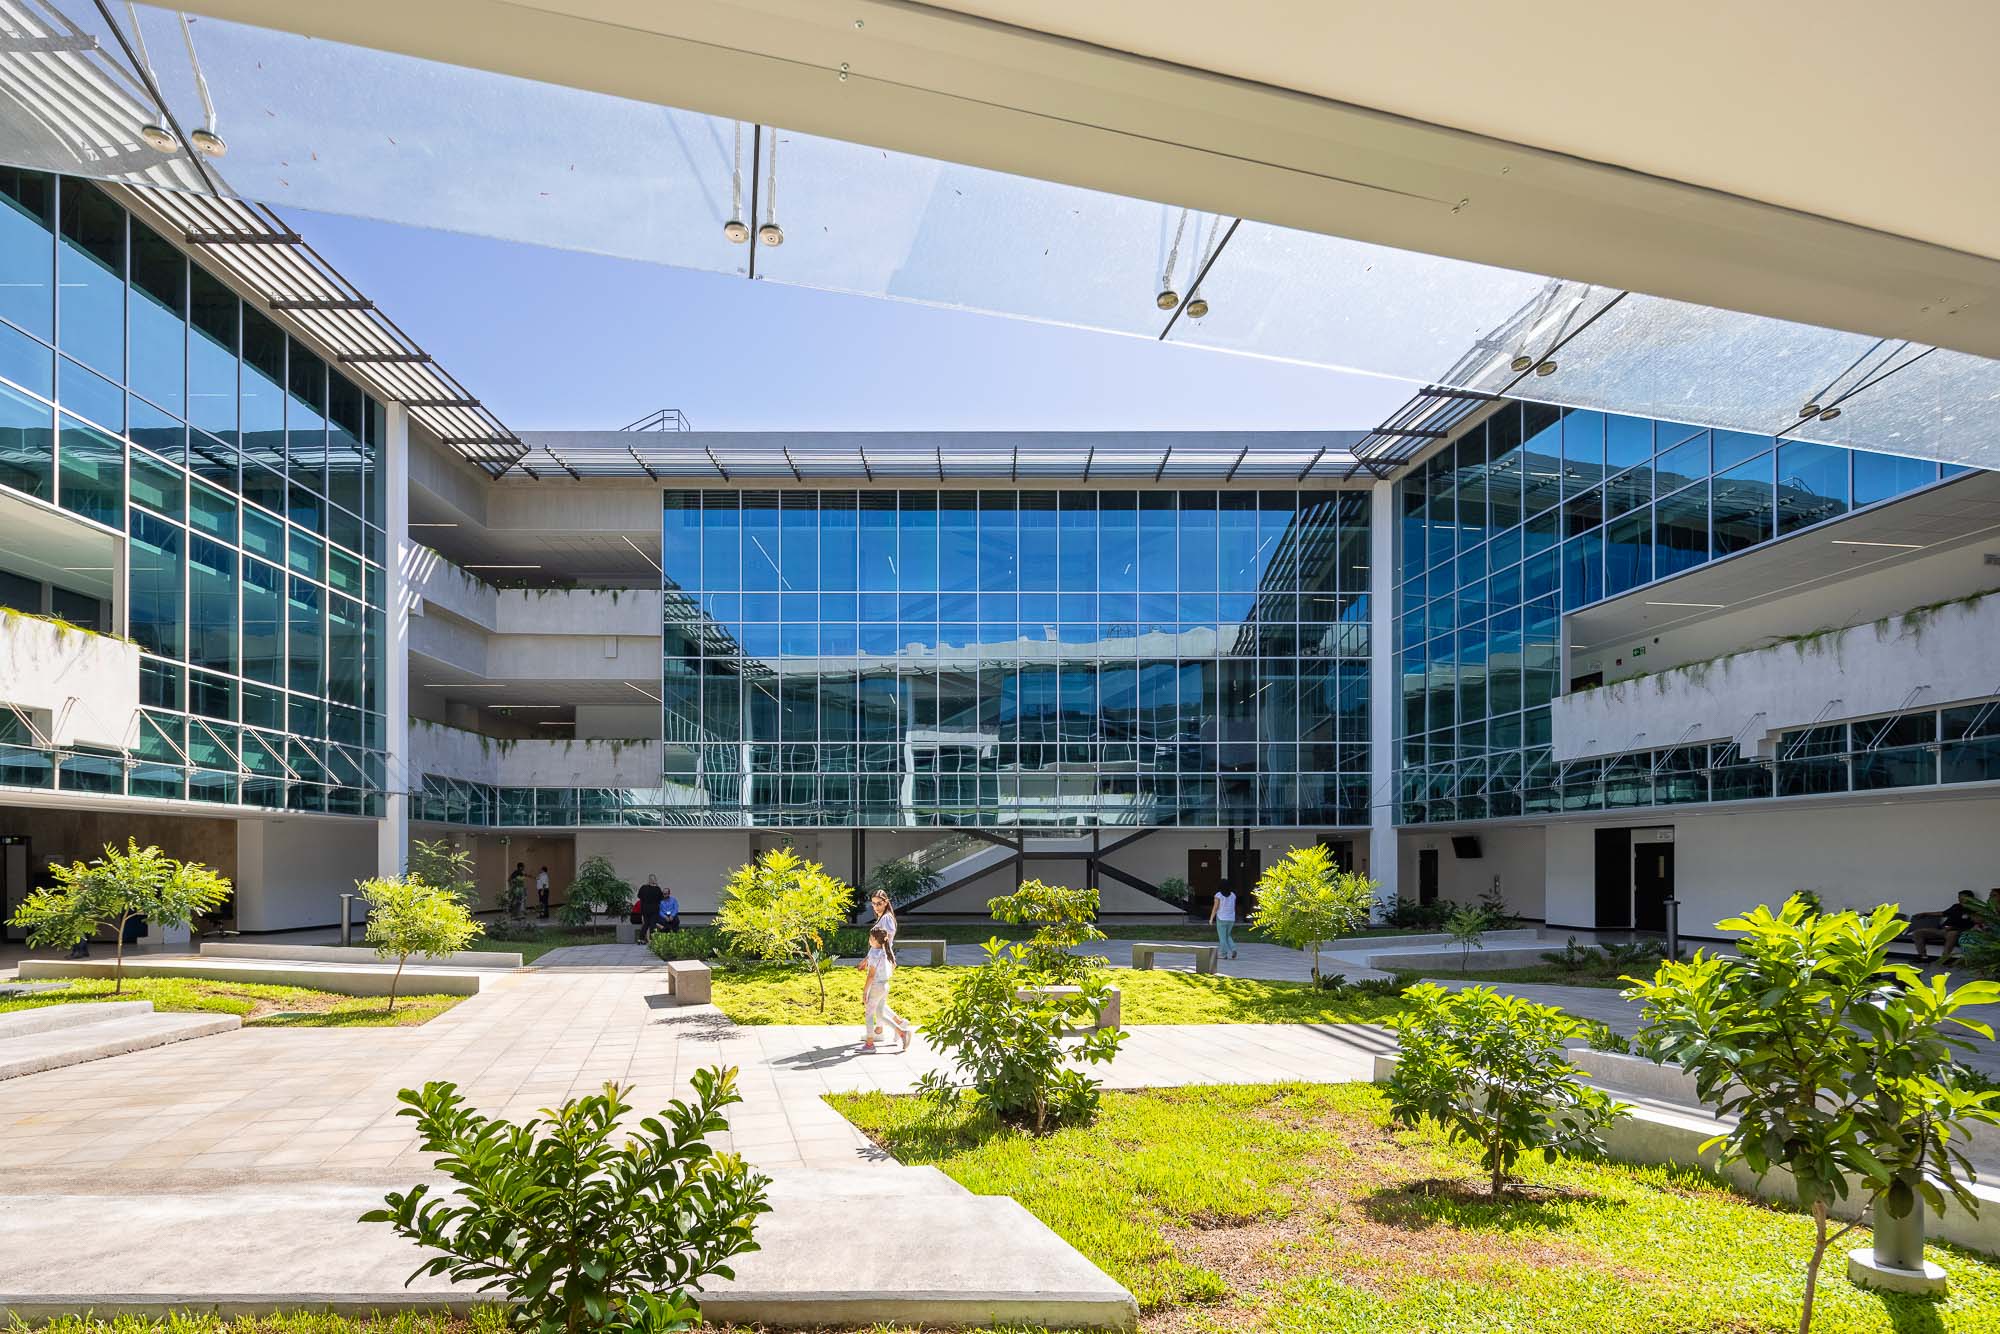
(932, 950)
(688, 981)
(1110, 1016)
(1204, 955)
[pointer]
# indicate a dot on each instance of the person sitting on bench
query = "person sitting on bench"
(670, 912)
(1944, 927)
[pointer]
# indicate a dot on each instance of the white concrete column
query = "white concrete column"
(1384, 694)
(393, 830)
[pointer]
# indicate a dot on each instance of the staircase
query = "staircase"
(962, 858)
(53, 1036)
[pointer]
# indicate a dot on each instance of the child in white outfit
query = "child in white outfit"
(880, 966)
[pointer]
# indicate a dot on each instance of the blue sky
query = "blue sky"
(554, 339)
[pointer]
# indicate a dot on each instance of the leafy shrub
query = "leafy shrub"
(579, 1234)
(1304, 900)
(902, 879)
(1600, 1036)
(407, 916)
(141, 883)
(782, 908)
(707, 942)
(439, 862)
(1826, 1059)
(1467, 928)
(1409, 915)
(1062, 918)
(1979, 948)
(597, 883)
(1493, 904)
(1491, 1070)
(1175, 891)
(1638, 954)
(1008, 1044)
(1574, 958)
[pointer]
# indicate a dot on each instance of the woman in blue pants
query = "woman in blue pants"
(1222, 915)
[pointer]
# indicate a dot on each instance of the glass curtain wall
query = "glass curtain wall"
(1018, 657)
(138, 392)
(1538, 511)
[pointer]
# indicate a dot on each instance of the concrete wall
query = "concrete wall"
(457, 753)
(494, 860)
(1519, 857)
(292, 872)
(76, 686)
(80, 835)
(1867, 671)
(1852, 854)
(618, 720)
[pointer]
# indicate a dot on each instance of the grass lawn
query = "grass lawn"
(779, 995)
(1299, 1208)
(978, 933)
(258, 1004)
(551, 938)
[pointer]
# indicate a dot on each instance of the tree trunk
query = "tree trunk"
(1493, 1155)
(1315, 963)
(118, 970)
(396, 981)
(1812, 1266)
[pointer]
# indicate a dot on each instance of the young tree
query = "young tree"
(1304, 900)
(1062, 918)
(1467, 928)
(1491, 1069)
(1834, 1063)
(782, 908)
(440, 862)
(407, 916)
(1007, 1038)
(111, 891)
(597, 882)
(576, 1233)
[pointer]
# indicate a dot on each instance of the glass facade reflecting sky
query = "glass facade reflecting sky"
(1539, 511)
(1003, 657)
(138, 392)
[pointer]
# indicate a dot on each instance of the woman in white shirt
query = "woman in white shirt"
(1222, 916)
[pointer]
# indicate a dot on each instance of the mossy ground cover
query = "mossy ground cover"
(780, 995)
(258, 1004)
(1301, 1208)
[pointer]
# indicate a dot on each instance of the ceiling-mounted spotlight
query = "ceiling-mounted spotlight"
(159, 137)
(770, 234)
(1197, 308)
(1829, 414)
(1167, 299)
(207, 143)
(737, 230)
(1809, 410)
(1545, 368)
(1520, 364)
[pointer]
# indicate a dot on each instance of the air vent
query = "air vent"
(1993, 558)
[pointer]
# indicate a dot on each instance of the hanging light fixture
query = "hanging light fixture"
(205, 141)
(159, 138)
(1829, 414)
(1168, 297)
(156, 137)
(771, 233)
(1197, 307)
(1809, 410)
(1520, 364)
(736, 231)
(1545, 368)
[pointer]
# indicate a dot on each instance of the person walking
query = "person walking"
(1222, 916)
(885, 919)
(878, 968)
(542, 891)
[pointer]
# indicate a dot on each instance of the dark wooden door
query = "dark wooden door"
(1614, 880)
(1245, 865)
(1204, 880)
(1427, 875)
(1652, 885)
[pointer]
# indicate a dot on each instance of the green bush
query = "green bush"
(449, 867)
(596, 883)
(1409, 915)
(708, 943)
(1175, 891)
(577, 1234)
(1490, 1069)
(1063, 919)
(902, 879)
(782, 908)
(1467, 928)
(1574, 958)
(1009, 1052)
(1304, 900)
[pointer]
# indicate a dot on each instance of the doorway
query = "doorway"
(1614, 880)
(1204, 880)
(1652, 880)
(15, 858)
(1427, 875)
